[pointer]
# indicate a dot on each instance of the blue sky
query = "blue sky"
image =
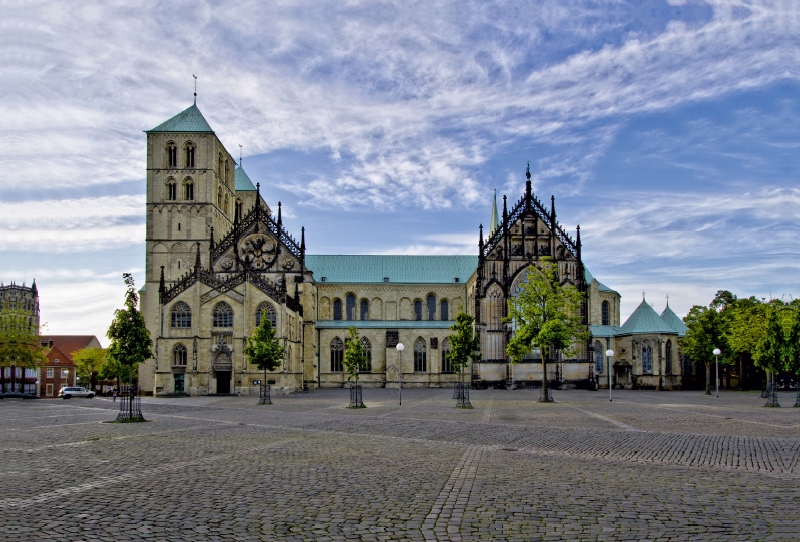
(667, 129)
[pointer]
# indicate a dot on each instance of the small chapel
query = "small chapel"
(219, 259)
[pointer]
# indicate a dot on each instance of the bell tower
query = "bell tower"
(190, 194)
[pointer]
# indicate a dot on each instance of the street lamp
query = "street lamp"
(400, 349)
(609, 355)
(716, 353)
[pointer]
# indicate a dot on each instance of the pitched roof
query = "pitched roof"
(71, 343)
(644, 320)
(243, 182)
(188, 120)
(674, 321)
(600, 286)
(398, 269)
(54, 354)
(603, 331)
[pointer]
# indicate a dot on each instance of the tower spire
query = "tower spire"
(494, 223)
(528, 190)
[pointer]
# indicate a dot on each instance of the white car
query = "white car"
(69, 392)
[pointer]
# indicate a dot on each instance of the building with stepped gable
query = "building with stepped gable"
(219, 260)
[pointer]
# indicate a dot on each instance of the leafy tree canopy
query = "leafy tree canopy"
(264, 348)
(130, 338)
(355, 355)
(545, 313)
(19, 340)
(89, 360)
(465, 344)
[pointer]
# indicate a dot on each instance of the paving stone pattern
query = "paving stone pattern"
(647, 466)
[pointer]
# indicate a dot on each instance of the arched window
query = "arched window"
(668, 356)
(367, 355)
(269, 310)
(337, 355)
(351, 306)
(431, 302)
(179, 355)
(223, 315)
(172, 189)
(190, 154)
(226, 171)
(181, 315)
(188, 189)
(647, 358)
(364, 309)
(219, 197)
(238, 207)
(337, 309)
(226, 204)
(447, 367)
(598, 357)
(172, 155)
(445, 310)
(604, 313)
(420, 356)
(417, 310)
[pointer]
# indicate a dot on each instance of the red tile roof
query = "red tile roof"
(70, 343)
(54, 354)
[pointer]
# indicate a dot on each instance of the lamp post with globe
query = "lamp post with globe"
(716, 353)
(609, 355)
(400, 347)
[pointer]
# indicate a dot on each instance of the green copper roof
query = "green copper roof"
(398, 269)
(603, 331)
(190, 120)
(243, 182)
(494, 222)
(387, 324)
(674, 321)
(600, 286)
(644, 320)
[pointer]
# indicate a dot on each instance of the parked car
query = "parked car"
(69, 392)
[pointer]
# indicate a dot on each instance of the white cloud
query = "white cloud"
(72, 224)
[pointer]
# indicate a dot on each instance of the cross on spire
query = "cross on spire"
(195, 89)
(642, 295)
(240, 155)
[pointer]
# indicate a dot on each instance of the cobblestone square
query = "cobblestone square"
(647, 466)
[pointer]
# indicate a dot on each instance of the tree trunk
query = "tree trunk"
(727, 378)
(545, 395)
(741, 372)
(708, 378)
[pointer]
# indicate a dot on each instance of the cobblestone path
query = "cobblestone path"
(649, 466)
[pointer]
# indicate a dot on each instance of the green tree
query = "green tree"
(793, 341)
(19, 340)
(545, 314)
(745, 329)
(773, 351)
(703, 336)
(89, 362)
(130, 338)
(465, 344)
(265, 351)
(355, 355)
(113, 370)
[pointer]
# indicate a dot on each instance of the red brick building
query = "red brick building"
(59, 371)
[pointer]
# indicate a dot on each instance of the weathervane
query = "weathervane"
(195, 89)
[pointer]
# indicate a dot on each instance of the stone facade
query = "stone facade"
(218, 259)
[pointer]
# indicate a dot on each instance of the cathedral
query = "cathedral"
(219, 259)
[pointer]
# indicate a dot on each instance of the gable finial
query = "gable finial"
(195, 89)
(667, 300)
(642, 295)
(240, 155)
(528, 171)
